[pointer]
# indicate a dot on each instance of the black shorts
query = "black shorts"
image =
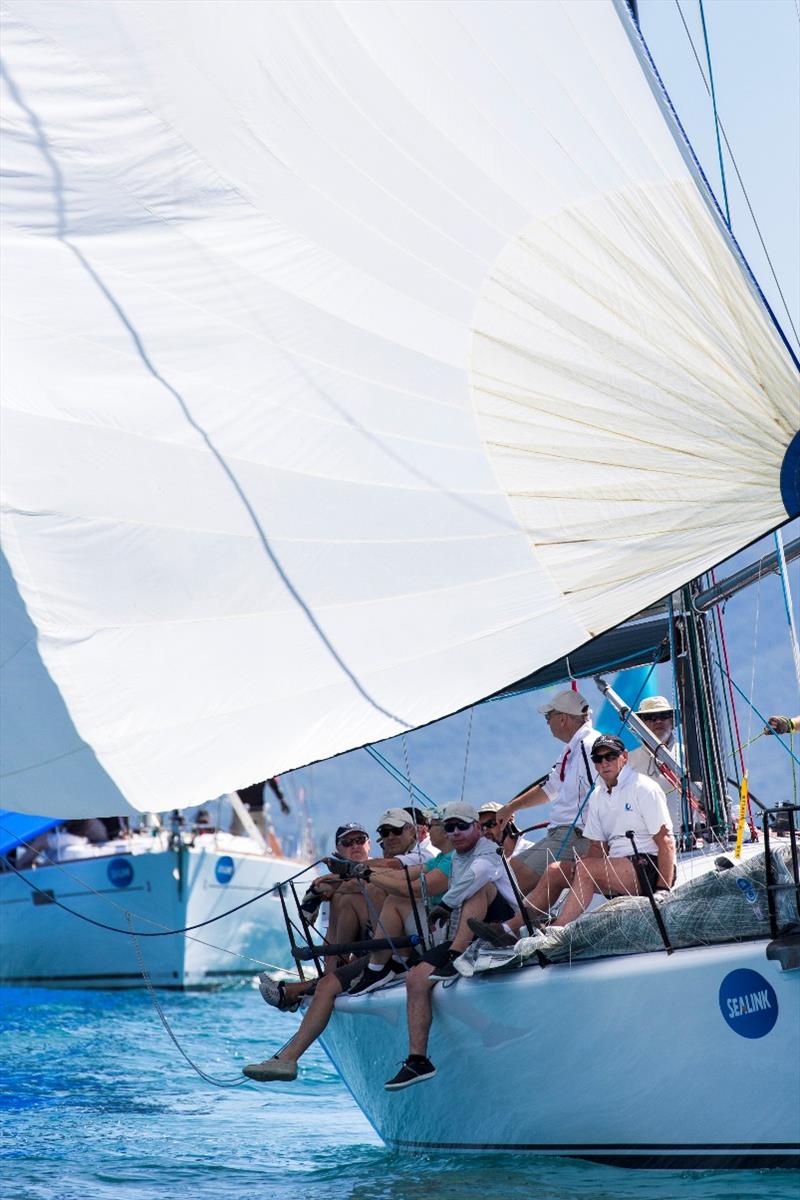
(350, 972)
(499, 910)
(648, 863)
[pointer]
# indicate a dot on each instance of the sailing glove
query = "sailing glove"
(440, 914)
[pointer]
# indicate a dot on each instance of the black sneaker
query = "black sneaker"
(447, 970)
(370, 980)
(415, 1069)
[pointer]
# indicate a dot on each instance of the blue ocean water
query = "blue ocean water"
(99, 1105)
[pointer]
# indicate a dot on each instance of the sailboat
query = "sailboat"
(366, 359)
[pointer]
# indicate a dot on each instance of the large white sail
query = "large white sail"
(360, 358)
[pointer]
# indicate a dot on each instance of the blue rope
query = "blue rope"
(399, 777)
(716, 116)
(777, 737)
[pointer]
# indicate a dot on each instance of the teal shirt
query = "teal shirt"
(443, 863)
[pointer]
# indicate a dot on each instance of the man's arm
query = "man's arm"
(666, 857)
(436, 882)
(527, 799)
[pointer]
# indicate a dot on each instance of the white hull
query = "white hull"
(41, 944)
(627, 1061)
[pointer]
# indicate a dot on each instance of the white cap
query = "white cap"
(572, 703)
(490, 806)
(459, 810)
(397, 817)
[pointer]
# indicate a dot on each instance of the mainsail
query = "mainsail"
(360, 359)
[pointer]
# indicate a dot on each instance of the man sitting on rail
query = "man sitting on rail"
(479, 888)
(623, 801)
(397, 833)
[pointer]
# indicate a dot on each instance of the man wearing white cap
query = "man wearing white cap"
(567, 787)
(657, 714)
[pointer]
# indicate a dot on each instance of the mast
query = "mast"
(695, 676)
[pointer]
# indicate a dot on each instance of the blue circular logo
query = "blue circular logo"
(224, 869)
(120, 872)
(748, 1003)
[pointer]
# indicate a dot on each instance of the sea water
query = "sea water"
(99, 1105)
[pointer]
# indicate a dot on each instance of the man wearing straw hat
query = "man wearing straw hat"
(658, 716)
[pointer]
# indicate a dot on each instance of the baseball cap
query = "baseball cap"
(351, 827)
(490, 806)
(567, 701)
(396, 817)
(607, 741)
(652, 705)
(459, 810)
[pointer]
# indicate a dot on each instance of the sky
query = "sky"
(497, 748)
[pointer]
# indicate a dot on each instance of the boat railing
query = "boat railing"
(779, 818)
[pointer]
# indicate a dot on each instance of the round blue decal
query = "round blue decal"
(120, 872)
(224, 869)
(748, 1003)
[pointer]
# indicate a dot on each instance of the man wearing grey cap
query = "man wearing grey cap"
(478, 885)
(566, 787)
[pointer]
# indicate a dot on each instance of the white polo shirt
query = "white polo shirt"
(637, 804)
(568, 794)
(641, 760)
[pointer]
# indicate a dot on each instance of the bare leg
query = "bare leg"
(476, 906)
(392, 925)
(611, 876)
(557, 877)
(525, 876)
(348, 918)
(315, 1020)
(418, 1007)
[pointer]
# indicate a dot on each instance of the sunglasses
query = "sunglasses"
(662, 716)
(358, 839)
(385, 831)
(488, 824)
(612, 754)
(457, 826)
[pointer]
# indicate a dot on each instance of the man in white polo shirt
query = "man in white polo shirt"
(567, 787)
(623, 801)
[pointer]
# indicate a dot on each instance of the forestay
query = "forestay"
(360, 360)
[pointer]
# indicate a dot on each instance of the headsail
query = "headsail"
(265, 264)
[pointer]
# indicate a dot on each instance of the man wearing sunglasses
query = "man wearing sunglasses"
(657, 714)
(402, 834)
(566, 787)
(623, 801)
(509, 837)
(479, 888)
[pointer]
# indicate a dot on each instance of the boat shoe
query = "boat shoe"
(274, 992)
(494, 934)
(271, 1069)
(415, 1069)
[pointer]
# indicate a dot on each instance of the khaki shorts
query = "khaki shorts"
(552, 847)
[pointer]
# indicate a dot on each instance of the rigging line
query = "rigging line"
(115, 929)
(777, 737)
(398, 775)
(466, 751)
(60, 234)
(163, 1018)
(741, 181)
(716, 115)
(787, 601)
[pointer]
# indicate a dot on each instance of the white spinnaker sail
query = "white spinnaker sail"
(360, 358)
